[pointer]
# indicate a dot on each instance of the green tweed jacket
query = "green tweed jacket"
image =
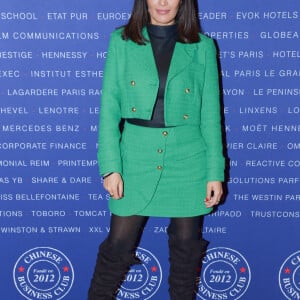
(130, 87)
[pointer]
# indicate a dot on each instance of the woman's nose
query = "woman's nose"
(163, 2)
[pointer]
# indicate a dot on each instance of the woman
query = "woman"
(161, 77)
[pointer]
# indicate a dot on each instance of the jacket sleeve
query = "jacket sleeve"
(109, 158)
(211, 116)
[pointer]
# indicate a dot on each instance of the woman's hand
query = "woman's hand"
(113, 183)
(214, 193)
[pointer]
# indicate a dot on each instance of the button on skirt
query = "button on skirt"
(164, 172)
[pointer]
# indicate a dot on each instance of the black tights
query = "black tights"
(125, 231)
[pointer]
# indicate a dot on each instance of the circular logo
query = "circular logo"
(43, 273)
(289, 276)
(143, 280)
(225, 275)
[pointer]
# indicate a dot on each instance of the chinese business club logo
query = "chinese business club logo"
(289, 276)
(225, 275)
(43, 273)
(143, 280)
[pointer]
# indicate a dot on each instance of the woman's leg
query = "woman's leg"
(115, 256)
(186, 248)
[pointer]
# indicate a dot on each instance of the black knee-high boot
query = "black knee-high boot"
(185, 259)
(111, 266)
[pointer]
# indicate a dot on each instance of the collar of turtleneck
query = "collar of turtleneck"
(162, 31)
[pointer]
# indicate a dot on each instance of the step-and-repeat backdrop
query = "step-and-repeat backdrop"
(53, 208)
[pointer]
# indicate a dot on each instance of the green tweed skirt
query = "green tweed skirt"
(164, 172)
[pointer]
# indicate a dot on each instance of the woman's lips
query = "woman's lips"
(162, 11)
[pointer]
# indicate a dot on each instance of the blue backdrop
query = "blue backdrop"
(53, 209)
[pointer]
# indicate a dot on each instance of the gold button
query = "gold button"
(160, 151)
(159, 167)
(165, 133)
(132, 82)
(185, 117)
(133, 109)
(187, 90)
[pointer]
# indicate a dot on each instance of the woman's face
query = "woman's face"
(163, 12)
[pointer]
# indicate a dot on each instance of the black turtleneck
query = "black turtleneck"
(163, 40)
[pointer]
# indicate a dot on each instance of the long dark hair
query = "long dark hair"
(187, 20)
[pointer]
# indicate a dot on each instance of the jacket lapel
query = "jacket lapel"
(145, 61)
(182, 57)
